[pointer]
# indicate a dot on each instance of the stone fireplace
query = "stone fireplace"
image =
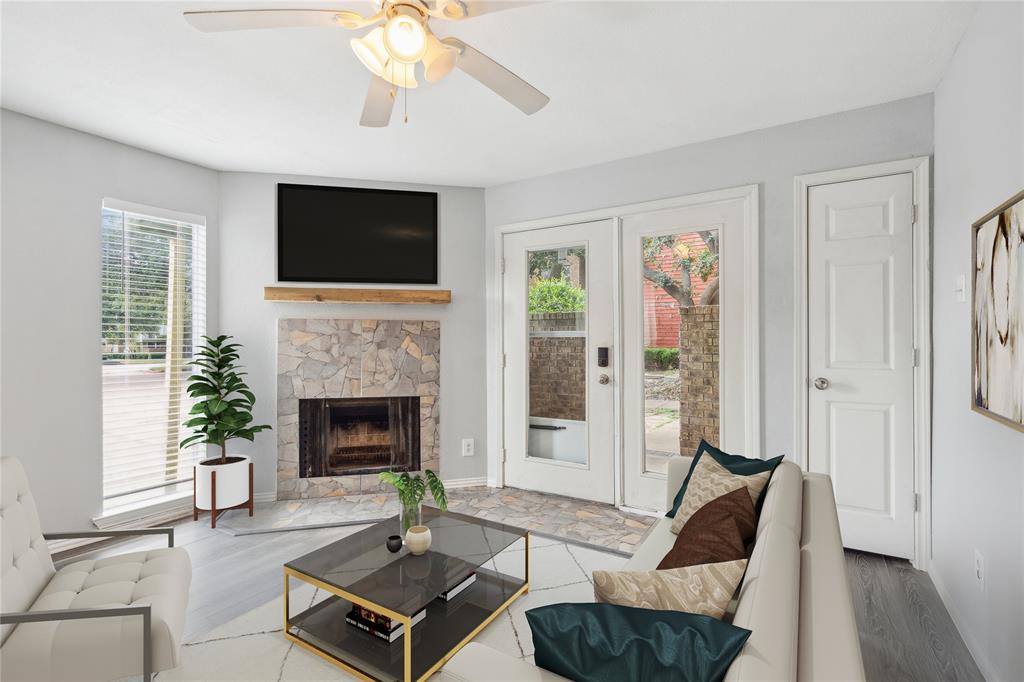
(345, 436)
(354, 398)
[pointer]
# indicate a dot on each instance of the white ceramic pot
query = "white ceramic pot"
(417, 539)
(232, 482)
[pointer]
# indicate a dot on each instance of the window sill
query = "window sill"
(147, 512)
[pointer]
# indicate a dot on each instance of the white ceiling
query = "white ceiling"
(625, 78)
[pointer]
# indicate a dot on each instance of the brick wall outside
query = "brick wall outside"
(698, 372)
(558, 367)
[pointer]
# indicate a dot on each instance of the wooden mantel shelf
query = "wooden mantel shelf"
(346, 295)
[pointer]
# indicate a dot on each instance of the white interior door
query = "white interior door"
(673, 261)
(860, 312)
(558, 291)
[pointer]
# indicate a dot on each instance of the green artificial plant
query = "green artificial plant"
(223, 409)
(411, 491)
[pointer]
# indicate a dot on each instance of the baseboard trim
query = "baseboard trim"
(465, 482)
(979, 658)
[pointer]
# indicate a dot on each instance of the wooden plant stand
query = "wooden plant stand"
(248, 504)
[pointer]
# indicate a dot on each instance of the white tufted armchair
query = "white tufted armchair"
(88, 620)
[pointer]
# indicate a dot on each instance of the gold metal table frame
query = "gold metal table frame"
(394, 615)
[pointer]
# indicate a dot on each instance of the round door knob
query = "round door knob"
(821, 383)
(603, 379)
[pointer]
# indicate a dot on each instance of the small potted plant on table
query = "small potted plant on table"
(411, 491)
(222, 412)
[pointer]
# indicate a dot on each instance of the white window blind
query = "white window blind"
(153, 318)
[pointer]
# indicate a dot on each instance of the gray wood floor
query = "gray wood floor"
(905, 631)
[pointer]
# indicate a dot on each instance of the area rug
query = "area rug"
(253, 647)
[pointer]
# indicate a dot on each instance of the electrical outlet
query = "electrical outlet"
(979, 570)
(467, 447)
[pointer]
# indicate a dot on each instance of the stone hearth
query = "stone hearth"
(353, 359)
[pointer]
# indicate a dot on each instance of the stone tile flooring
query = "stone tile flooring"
(562, 517)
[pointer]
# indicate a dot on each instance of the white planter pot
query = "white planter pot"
(232, 483)
(417, 539)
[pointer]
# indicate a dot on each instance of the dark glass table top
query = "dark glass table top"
(361, 565)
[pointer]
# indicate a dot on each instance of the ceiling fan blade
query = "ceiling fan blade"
(246, 19)
(379, 103)
(499, 79)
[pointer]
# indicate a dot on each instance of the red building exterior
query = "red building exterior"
(661, 311)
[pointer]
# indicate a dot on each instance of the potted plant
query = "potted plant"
(223, 411)
(411, 490)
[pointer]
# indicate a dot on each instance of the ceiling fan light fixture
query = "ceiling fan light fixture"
(438, 60)
(405, 38)
(370, 51)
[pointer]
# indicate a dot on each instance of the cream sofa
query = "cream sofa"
(88, 620)
(795, 598)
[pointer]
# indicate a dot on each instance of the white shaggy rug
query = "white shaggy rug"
(252, 647)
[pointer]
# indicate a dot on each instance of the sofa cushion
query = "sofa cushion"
(25, 564)
(768, 606)
(476, 662)
(107, 648)
(605, 642)
(705, 589)
(734, 464)
(718, 531)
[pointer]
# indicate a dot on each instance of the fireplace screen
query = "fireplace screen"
(344, 436)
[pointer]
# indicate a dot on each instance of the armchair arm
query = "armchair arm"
(16, 617)
(72, 535)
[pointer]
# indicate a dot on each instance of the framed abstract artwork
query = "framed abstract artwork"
(997, 314)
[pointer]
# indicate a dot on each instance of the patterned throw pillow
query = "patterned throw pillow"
(704, 589)
(736, 464)
(709, 480)
(718, 531)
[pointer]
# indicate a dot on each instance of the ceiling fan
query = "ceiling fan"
(400, 39)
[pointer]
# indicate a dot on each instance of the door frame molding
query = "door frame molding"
(920, 169)
(750, 194)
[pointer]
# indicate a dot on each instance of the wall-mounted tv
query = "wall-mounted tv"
(357, 235)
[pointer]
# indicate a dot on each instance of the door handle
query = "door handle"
(821, 383)
(603, 379)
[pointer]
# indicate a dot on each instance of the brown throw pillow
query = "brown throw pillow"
(705, 589)
(718, 531)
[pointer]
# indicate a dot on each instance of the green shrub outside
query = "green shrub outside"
(556, 296)
(661, 358)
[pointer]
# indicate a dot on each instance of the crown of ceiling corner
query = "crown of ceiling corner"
(399, 39)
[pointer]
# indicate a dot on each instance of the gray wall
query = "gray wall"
(248, 226)
(977, 463)
(770, 157)
(54, 180)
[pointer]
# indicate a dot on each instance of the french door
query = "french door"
(686, 372)
(560, 378)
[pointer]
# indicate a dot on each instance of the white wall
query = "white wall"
(770, 157)
(54, 180)
(977, 464)
(248, 263)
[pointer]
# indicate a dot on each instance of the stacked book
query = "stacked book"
(389, 630)
(379, 625)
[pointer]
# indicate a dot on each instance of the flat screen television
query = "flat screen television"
(356, 235)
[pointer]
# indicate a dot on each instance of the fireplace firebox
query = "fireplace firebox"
(344, 436)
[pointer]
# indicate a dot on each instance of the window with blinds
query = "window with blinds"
(153, 317)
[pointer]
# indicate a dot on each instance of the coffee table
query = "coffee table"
(359, 569)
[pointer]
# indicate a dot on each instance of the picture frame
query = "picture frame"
(997, 313)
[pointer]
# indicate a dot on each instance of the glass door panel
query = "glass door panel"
(680, 307)
(557, 309)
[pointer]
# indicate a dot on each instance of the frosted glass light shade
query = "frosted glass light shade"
(371, 52)
(438, 60)
(405, 39)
